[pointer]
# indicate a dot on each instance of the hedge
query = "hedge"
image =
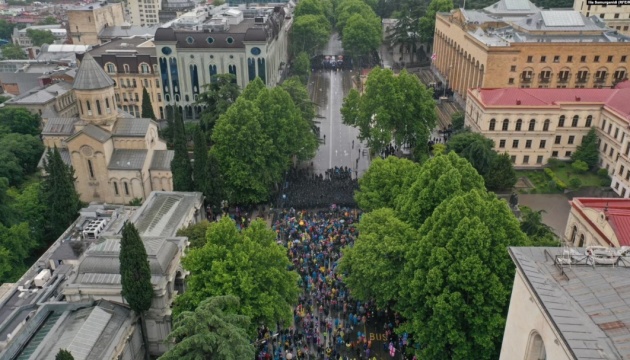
(559, 183)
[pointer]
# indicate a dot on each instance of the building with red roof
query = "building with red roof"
(534, 125)
(598, 221)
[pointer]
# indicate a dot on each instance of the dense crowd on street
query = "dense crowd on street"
(304, 189)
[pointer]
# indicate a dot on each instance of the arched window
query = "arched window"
(546, 125)
(493, 123)
(536, 348)
(90, 169)
(98, 107)
(589, 121)
(561, 121)
(581, 244)
(574, 123)
(573, 234)
(89, 108)
(506, 124)
(116, 189)
(110, 68)
(144, 68)
(126, 188)
(126, 68)
(519, 124)
(532, 125)
(81, 106)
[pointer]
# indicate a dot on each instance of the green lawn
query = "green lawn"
(564, 171)
(539, 179)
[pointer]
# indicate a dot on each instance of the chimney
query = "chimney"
(518, 101)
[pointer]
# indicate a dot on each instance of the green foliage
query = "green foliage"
(212, 331)
(13, 52)
(218, 96)
(135, 201)
(605, 182)
(405, 34)
(475, 148)
(559, 183)
(393, 108)
(301, 99)
(362, 35)
(4, 99)
(602, 172)
(384, 181)
(16, 243)
(196, 234)
(27, 149)
(147, 107)
(6, 29)
(458, 278)
(49, 20)
(180, 165)
(200, 165)
(215, 181)
(247, 264)
(19, 120)
(439, 179)
(439, 149)
(302, 67)
(458, 121)
(375, 262)
(64, 355)
(539, 233)
(427, 22)
(579, 166)
(309, 34)
(347, 8)
(40, 37)
(588, 151)
(501, 175)
(134, 270)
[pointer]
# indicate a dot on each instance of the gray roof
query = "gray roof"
(91, 76)
(162, 159)
(111, 32)
(24, 81)
(41, 95)
(162, 213)
(589, 306)
(59, 126)
(511, 7)
(558, 20)
(92, 131)
(127, 159)
(131, 127)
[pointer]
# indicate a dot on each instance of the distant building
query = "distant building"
(126, 31)
(567, 305)
(19, 83)
(86, 22)
(615, 16)
(21, 38)
(598, 221)
(57, 99)
(246, 43)
(172, 9)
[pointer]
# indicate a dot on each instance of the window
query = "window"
(546, 125)
(610, 58)
(90, 169)
(563, 75)
(570, 58)
(543, 143)
(528, 144)
(116, 189)
(144, 68)
(519, 124)
(583, 58)
(159, 97)
(621, 169)
(513, 158)
(89, 108)
(126, 68)
(596, 58)
(628, 175)
(526, 159)
(493, 123)
(589, 121)
(543, 59)
(604, 124)
(616, 17)
(502, 144)
(135, 84)
(513, 68)
(605, 147)
(558, 139)
(554, 154)
(506, 124)
(511, 81)
(98, 107)
(609, 128)
(561, 121)
(515, 144)
(574, 123)
(616, 133)
(539, 159)
(532, 125)
(571, 139)
(623, 192)
(567, 154)
(612, 152)
(556, 58)
(624, 57)
(530, 59)
(126, 186)
(110, 68)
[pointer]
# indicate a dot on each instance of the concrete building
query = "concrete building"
(116, 157)
(126, 31)
(79, 306)
(133, 65)
(598, 221)
(564, 308)
(172, 9)
(57, 99)
(208, 41)
(515, 44)
(144, 13)
(21, 38)
(86, 22)
(533, 125)
(616, 16)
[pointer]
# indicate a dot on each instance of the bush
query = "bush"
(575, 183)
(602, 172)
(552, 185)
(579, 166)
(559, 183)
(555, 163)
(605, 181)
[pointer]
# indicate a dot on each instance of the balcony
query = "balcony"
(564, 78)
(544, 80)
(601, 79)
(526, 78)
(581, 79)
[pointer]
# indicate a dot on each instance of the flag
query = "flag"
(434, 57)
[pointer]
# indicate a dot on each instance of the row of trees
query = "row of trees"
(441, 241)
(310, 32)
(359, 27)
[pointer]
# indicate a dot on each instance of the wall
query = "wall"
(84, 25)
(589, 233)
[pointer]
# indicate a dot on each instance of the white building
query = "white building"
(21, 38)
(616, 16)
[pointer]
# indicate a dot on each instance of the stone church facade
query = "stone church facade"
(116, 157)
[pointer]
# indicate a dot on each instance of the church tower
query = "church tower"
(94, 90)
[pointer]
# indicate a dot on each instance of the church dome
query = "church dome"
(91, 75)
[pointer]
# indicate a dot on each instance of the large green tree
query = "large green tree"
(212, 331)
(217, 97)
(309, 34)
(539, 233)
(427, 22)
(180, 165)
(6, 29)
(302, 67)
(200, 166)
(27, 149)
(58, 194)
(475, 147)
(458, 278)
(405, 35)
(393, 108)
(196, 234)
(501, 175)
(147, 107)
(19, 120)
(347, 8)
(361, 35)
(247, 264)
(375, 262)
(40, 37)
(588, 151)
(301, 99)
(215, 181)
(13, 52)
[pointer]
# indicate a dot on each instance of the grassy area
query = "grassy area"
(540, 181)
(564, 172)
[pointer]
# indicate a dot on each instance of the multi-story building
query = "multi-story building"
(514, 44)
(132, 64)
(616, 16)
(172, 9)
(57, 99)
(21, 38)
(598, 222)
(86, 22)
(246, 43)
(533, 125)
(144, 12)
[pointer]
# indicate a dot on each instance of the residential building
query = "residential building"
(534, 125)
(116, 157)
(246, 43)
(86, 22)
(57, 98)
(172, 9)
(20, 82)
(514, 44)
(21, 38)
(133, 65)
(126, 31)
(598, 221)
(144, 12)
(616, 16)
(79, 306)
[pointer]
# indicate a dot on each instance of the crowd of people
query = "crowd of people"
(328, 324)
(306, 190)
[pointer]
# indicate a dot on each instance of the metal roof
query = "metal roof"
(59, 126)
(91, 76)
(127, 159)
(162, 159)
(617, 214)
(562, 18)
(89, 333)
(131, 127)
(517, 4)
(162, 213)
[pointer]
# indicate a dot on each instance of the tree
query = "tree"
(373, 265)
(313, 7)
(218, 96)
(427, 22)
(302, 67)
(501, 175)
(474, 147)
(362, 35)
(26, 148)
(49, 20)
(393, 108)
(58, 194)
(458, 278)
(458, 121)
(347, 8)
(301, 99)
(10, 168)
(588, 151)
(196, 234)
(200, 166)
(247, 264)
(539, 233)
(19, 120)
(40, 37)
(439, 179)
(135, 275)
(384, 181)
(211, 331)
(13, 52)
(215, 184)
(579, 166)
(405, 35)
(64, 355)
(180, 165)
(147, 107)
(309, 34)
(6, 29)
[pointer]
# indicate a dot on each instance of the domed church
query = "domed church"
(116, 157)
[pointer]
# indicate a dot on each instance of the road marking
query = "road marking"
(331, 121)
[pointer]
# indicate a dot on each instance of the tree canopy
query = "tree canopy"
(40, 37)
(196, 233)
(64, 355)
(19, 120)
(13, 52)
(588, 151)
(180, 165)
(218, 96)
(362, 35)
(134, 270)
(309, 34)
(427, 22)
(200, 166)
(302, 67)
(147, 107)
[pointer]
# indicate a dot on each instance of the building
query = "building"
(78, 306)
(564, 308)
(21, 38)
(116, 157)
(514, 44)
(172, 9)
(144, 13)
(534, 125)
(126, 31)
(132, 64)
(208, 41)
(616, 16)
(57, 99)
(86, 22)
(598, 221)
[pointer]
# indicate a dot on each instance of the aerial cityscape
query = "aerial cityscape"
(314, 179)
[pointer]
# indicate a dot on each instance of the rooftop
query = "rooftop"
(587, 304)
(163, 213)
(615, 211)
(42, 95)
(91, 75)
(127, 159)
(112, 32)
(125, 47)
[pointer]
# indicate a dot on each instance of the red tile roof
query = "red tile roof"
(623, 85)
(617, 212)
(614, 99)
